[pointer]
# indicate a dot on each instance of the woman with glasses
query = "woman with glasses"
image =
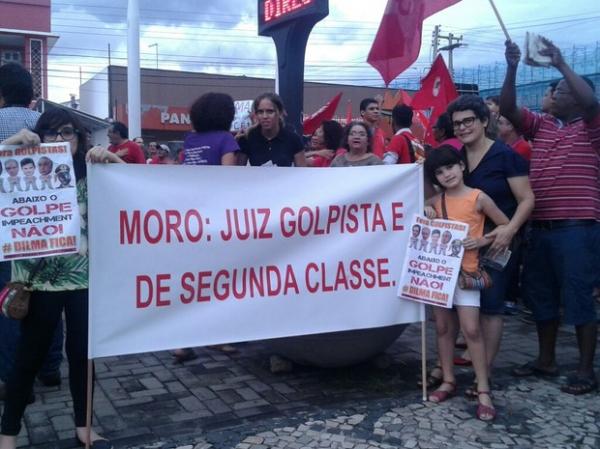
(270, 142)
(60, 283)
(494, 168)
(357, 140)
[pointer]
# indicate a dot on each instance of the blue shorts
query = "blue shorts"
(560, 268)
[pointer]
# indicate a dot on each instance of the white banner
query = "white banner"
(190, 256)
(432, 262)
(38, 202)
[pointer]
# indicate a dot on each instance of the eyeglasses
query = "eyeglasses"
(357, 134)
(67, 133)
(466, 122)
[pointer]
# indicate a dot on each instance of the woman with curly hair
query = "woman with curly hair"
(211, 143)
(325, 143)
(357, 140)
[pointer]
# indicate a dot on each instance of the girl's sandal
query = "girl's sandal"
(485, 412)
(440, 395)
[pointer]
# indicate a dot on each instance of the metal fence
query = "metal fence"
(531, 81)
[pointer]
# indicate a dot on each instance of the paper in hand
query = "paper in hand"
(533, 45)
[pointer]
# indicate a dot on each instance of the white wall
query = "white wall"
(93, 95)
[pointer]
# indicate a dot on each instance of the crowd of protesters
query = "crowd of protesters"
(536, 177)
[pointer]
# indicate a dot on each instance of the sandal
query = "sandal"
(460, 361)
(578, 384)
(485, 412)
(434, 378)
(440, 395)
(531, 369)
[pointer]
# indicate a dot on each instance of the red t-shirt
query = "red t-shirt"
(522, 147)
(399, 145)
(378, 143)
(134, 155)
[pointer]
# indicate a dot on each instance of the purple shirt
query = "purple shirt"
(207, 148)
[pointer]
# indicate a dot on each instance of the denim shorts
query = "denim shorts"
(560, 269)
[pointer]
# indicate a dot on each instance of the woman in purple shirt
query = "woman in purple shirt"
(211, 142)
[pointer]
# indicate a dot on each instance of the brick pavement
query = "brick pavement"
(233, 401)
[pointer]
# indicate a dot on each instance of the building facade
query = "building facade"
(167, 96)
(26, 38)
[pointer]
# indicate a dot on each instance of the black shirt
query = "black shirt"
(498, 165)
(279, 151)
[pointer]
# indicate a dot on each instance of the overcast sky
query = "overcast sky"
(221, 37)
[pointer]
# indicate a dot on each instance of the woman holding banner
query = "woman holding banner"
(502, 174)
(270, 143)
(211, 143)
(59, 284)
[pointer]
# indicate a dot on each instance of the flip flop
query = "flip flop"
(531, 369)
(578, 384)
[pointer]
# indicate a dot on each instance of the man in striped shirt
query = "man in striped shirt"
(561, 264)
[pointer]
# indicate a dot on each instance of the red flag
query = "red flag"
(405, 98)
(312, 122)
(349, 112)
(437, 90)
(398, 40)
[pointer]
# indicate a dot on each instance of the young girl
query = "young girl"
(445, 169)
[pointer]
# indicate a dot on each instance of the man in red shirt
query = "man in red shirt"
(404, 148)
(371, 113)
(130, 152)
(560, 266)
(508, 135)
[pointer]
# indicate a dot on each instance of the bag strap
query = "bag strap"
(411, 149)
(444, 210)
(35, 270)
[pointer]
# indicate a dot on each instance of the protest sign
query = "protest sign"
(38, 211)
(432, 261)
(241, 119)
(226, 254)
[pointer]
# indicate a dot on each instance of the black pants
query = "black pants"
(36, 336)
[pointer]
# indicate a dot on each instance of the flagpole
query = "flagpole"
(500, 20)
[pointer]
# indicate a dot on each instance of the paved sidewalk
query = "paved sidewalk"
(233, 401)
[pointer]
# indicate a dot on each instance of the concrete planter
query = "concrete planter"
(336, 349)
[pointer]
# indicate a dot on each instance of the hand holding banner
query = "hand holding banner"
(39, 212)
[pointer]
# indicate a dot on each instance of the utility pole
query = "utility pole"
(453, 43)
(134, 108)
(435, 40)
